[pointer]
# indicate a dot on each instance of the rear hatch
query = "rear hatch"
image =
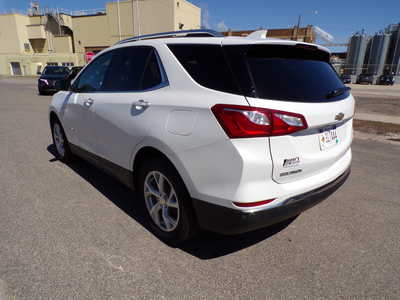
(297, 78)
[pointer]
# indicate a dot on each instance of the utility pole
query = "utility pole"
(138, 16)
(119, 21)
(133, 17)
(298, 27)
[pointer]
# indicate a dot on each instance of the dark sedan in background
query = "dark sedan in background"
(346, 79)
(52, 79)
(386, 80)
(365, 79)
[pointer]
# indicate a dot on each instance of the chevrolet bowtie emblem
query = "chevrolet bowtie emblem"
(339, 117)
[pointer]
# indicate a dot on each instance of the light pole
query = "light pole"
(314, 12)
(119, 21)
(138, 16)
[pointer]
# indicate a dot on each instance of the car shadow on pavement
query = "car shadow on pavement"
(207, 245)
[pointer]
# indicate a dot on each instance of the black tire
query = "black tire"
(66, 156)
(187, 225)
(41, 93)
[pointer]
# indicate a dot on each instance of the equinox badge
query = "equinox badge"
(339, 117)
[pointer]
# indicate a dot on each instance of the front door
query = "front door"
(77, 119)
(78, 115)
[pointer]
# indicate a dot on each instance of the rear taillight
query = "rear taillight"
(245, 121)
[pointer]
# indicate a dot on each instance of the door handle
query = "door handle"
(88, 102)
(139, 105)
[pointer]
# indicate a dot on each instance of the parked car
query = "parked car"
(52, 79)
(386, 80)
(346, 79)
(224, 134)
(365, 79)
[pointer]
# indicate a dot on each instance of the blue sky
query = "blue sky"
(340, 18)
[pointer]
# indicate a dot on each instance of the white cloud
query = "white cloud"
(221, 26)
(205, 17)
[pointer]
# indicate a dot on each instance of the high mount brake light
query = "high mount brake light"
(245, 121)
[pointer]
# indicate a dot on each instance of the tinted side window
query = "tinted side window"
(133, 69)
(207, 65)
(152, 75)
(91, 80)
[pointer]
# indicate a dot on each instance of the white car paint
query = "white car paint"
(179, 123)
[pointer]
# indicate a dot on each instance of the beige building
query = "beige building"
(48, 37)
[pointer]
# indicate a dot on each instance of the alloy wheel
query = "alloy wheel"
(161, 201)
(59, 139)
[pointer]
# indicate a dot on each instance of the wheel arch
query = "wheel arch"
(159, 149)
(53, 117)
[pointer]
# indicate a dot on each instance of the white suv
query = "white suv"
(228, 134)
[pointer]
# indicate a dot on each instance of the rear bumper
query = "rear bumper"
(231, 221)
(46, 88)
(53, 87)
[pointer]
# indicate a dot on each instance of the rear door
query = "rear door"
(298, 79)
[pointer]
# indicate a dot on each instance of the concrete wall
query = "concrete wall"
(67, 20)
(29, 63)
(187, 14)
(37, 20)
(9, 34)
(22, 22)
(63, 44)
(154, 16)
(126, 20)
(90, 31)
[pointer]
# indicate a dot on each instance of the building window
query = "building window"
(27, 47)
(52, 63)
(67, 64)
(16, 68)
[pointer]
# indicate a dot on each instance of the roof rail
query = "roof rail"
(187, 33)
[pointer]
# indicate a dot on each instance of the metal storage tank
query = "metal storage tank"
(393, 57)
(379, 46)
(356, 53)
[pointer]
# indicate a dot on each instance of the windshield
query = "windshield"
(56, 71)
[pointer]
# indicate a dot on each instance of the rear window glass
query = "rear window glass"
(207, 65)
(56, 71)
(287, 73)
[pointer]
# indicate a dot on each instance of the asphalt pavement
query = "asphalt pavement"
(72, 232)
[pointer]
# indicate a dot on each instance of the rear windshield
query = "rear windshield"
(56, 71)
(277, 72)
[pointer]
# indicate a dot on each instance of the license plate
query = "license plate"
(328, 138)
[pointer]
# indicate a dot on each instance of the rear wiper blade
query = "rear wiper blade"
(338, 92)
